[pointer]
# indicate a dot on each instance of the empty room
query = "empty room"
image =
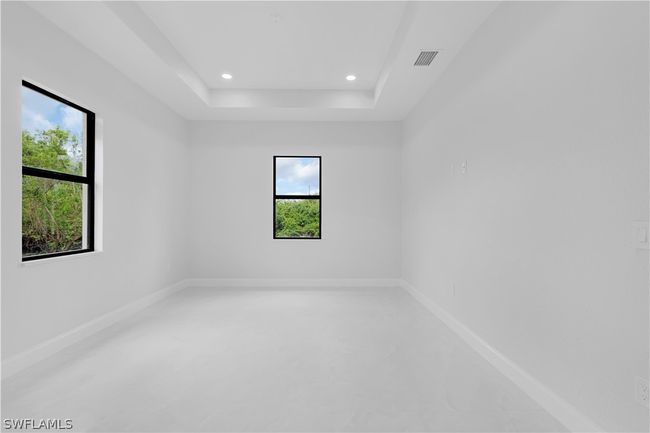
(325, 216)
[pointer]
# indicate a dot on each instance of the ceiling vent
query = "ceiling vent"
(425, 58)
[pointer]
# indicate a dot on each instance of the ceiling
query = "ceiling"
(280, 45)
(288, 60)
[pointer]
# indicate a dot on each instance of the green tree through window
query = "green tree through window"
(57, 186)
(297, 197)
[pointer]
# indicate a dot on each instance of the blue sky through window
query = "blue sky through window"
(41, 113)
(297, 176)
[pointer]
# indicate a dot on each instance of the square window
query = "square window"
(53, 216)
(54, 134)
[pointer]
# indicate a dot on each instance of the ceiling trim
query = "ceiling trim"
(144, 53)
(144, 28)
(141, 25)
(408, 15)
(265, 98)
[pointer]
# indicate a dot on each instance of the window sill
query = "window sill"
(46, 260)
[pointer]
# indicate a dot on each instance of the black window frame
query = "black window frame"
(300, 197)
(88, 178)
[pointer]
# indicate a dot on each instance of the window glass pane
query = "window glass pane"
(53, 134)
(297, 218)
(53, 216)
(297, 176)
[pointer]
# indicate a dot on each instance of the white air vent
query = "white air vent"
(425, 58)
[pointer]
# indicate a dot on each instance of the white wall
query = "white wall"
(232, 200)
(532, 248)
(548, 103)
(144, 185)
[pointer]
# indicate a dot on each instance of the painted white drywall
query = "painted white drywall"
(231, 226)
(533, 247)
(143, 188)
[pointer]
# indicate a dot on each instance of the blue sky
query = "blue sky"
(41, 113)
(297, 176)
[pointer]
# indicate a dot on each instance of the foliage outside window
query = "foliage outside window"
(297, 197)
(58, 175)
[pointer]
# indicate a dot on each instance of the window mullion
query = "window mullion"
(39, 172)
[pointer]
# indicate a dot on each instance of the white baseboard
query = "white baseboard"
(563, 411)
(30, 357)
(566, 413)
(293, 282)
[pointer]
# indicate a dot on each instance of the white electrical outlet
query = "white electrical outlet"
(642, 391)
(463, 167)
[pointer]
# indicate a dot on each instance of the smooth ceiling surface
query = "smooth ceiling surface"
(289, 60)
(281, 45)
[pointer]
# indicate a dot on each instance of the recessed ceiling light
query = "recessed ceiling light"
(226, 76)
(351, 77)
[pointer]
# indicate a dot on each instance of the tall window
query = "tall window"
(296, 197)
(58, 146)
